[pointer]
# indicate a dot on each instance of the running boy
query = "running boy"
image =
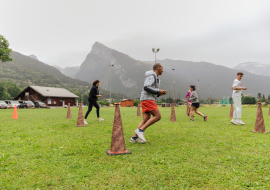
(237, 93)
(149, 94)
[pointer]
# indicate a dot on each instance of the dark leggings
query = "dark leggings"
(91, 104)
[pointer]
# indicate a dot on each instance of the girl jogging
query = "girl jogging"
(92, 99)
(195, 103)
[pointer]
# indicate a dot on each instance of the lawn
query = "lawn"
(43, 150)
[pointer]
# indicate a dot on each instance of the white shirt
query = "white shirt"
(236, 93)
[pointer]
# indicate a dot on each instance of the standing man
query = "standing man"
(237, 93)
(149, 94)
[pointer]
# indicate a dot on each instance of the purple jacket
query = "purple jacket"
(188, 95)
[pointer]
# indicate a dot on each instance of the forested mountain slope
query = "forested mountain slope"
(24, 71)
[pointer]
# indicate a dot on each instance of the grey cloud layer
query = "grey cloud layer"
(62, 32)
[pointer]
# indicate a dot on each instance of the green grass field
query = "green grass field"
(43, 150)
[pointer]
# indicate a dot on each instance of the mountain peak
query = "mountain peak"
(98, 44)
(98, 48)
(254, 67)
(33, 57)
(248, 64)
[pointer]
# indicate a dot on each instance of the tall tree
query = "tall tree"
(78, 94)
(12, 89)
(2, 91)
(259, 95)
(4, 50)
(136, 101)
(85, 99)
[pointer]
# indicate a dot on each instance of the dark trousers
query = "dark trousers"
(91, 104)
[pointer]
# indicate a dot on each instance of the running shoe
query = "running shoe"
(138, 140)
(85, 123)
(191, 120)
(205, 118)
(100, 119)
(239, 121)
(233, 121)
(140, 134)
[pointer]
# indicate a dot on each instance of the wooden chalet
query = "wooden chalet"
(49, 95)
(127, 103)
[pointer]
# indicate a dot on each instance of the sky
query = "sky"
(62, 32)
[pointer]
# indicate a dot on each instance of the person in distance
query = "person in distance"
(92, 99)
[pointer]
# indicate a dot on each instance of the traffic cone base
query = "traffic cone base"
(259, 123)
(117, 153)
(231, 111)
(259, 131)
(118, 142)
(80, 121)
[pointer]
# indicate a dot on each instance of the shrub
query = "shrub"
(248, 100)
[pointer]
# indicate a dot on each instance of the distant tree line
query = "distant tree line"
(254, 100)
(169, 100)
(248, 100)
(83, 97)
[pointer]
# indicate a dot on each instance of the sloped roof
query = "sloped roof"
(53, 92)
(123, 100)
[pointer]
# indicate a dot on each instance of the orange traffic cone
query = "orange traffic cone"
(68, 112)
(138, 111)
(259, 124)
(173, 119)
(118, 142)
(231, 111)
(80, 121)
(15, 114)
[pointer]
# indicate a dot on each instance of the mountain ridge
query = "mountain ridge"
(254, 67)
(127, 76)
(68, 71)
(25, 70)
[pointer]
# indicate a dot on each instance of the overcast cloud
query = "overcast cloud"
(62, 32)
